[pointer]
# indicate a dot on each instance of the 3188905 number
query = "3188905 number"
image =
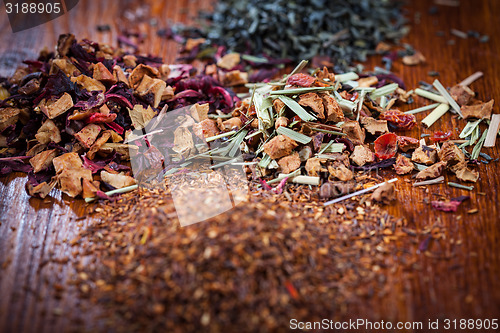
(471, 324)
(33, 8)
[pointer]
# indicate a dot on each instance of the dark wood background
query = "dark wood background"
(462, 283)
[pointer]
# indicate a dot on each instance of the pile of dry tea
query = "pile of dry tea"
(64, 117)
(319, 129)
(76, 116)
(252, 269)
(343, 31)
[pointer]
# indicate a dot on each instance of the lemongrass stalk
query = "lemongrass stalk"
(463, 187)
(305, 180)
(296, 178)
(297, 69)
(476, 134)
(222, 116)
(297, 91)
(117, 191)
(282, 176)
(255, 85)
(431, 96)
(244, 163)
(297, 109)
(264, 109)
(366, 190)
(353, 84)
(383, 102)
(215, 137)
(367, 89)
(328, 131)
(469, 128)
(325, 147)
(477, 148)
(423, 108)
(360, 104)
(237, 142)
(492, 131)
(467, 81)
(264, 162)
(347, 106)
(216, 166)
(385, 90)
(211, 157)
(332, 148)
(249, 136)
(442, 90)
(301, 138)
(437, 180)
(349, 76)
(435, 115)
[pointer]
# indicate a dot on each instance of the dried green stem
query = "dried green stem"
(435, 115)
(117, 191)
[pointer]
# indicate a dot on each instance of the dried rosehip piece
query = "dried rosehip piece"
(301, 80)
(440, 136)
(386, 146)
(399, 119)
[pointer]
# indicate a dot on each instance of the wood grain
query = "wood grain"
(458, 279)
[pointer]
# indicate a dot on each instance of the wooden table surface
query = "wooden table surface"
(459, 281)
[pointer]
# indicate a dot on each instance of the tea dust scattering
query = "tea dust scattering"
(270, 258)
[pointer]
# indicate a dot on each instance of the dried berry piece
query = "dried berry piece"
(102, 74)
(206, 128)
(440, 136)
(386, 146)
(88, 135)
(48, 132)
(399, 119)
(52, 109)
(301, 80)
(234, 78)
